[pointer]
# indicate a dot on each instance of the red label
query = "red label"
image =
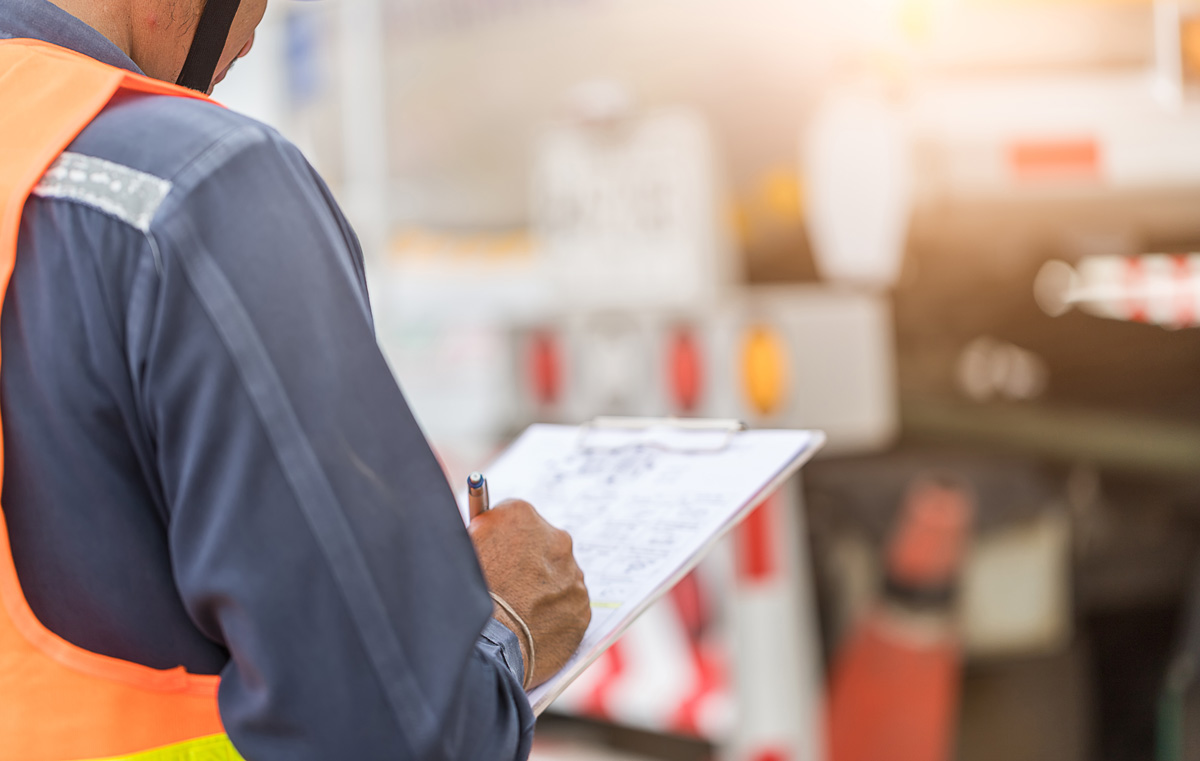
(544, 371)
(1040, 160)
(684, 365)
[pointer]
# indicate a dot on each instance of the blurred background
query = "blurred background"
(957, 235)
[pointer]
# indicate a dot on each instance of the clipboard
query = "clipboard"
(644, 500)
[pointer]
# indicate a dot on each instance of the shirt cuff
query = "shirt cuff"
(510, 647)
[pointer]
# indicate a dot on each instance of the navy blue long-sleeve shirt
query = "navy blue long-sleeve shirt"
(207, 460)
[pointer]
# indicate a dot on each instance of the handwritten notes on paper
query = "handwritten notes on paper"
(642, 507)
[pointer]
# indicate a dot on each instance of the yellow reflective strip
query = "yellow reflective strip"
(764, 370)
(211, 748)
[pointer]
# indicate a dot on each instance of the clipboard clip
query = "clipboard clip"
(683, 435)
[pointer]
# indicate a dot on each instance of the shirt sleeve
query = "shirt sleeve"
(312, 531)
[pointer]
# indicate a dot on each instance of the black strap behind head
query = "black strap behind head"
(208, 44)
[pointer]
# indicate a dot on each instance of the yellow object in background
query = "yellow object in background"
(764, 370)
(1100, 3)
(497, 245)
(774, 202)
(1189, 46)
(916, 18)
(782, 196)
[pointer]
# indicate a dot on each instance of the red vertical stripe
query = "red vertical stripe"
(1185, 299)
(1135, 278)
(757, 550)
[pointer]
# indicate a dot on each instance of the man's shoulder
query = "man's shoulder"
(141, 159)
(165, 137)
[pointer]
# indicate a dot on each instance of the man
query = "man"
(206, 461)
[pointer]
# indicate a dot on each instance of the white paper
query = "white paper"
(642, 508)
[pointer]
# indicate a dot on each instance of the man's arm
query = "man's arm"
(311, 529)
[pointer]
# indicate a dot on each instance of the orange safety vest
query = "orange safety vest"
(59, 702)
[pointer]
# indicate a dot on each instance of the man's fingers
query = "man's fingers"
(531, 564)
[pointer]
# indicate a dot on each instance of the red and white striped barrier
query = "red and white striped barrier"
(779, 682)
(668, 673)
(1158, 289)
(730, 655)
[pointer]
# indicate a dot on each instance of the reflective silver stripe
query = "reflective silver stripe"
(127, 194)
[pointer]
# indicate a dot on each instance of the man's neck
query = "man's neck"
(108, 17)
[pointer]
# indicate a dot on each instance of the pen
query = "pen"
(477, 494)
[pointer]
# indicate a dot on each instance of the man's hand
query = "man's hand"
(530, 564)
